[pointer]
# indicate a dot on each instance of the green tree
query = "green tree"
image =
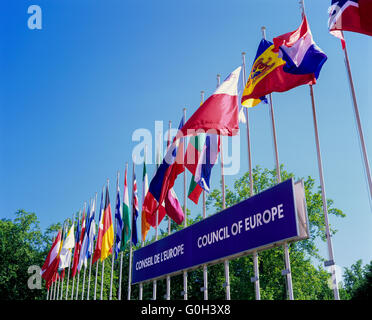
(358, 281)
(22, 245)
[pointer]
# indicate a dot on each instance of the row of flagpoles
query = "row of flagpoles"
(159, 198)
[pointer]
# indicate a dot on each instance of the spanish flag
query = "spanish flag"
(108, 229)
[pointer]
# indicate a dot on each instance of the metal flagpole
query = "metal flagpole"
(184, 208)
(154, 283)
(167, 295)
(330, 262)
(226, 262)
(69, 264)
(113, 247)
(81, 240)
(130, 240)
(140, 293)
(359, 124)
(73, 278)
(91, 256)
(85, 266)
(103, 262)
(205, 269)
(121, 253)
(287, 271)
(254, 279)
(97, 262)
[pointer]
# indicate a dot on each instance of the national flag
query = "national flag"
(145, 226)
(192, 156)
(299, 51)
(350, 15)
(134, 211)
(207, 160)
(66, 251)
(119, 222)
(126, 213)
(97, 250)
(84, 243)
(91, 232)
(76, 251)
(51, 263)
(163, 181)
(220, 112)
(108, 229)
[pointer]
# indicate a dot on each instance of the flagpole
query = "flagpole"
(140, 293)
(121, 258)
(154, 283)
(103, 261)
(184, 209)
(226, 262)
(78, 272)
(330, 262)
(121, 253)
(130, 240)
(85, 267)
(254, 279)
(359, 124)
(69, 265)
(91, 255)
(97, 262)
(114, 245)
(168, 281)
(205, 269)
(287, 271)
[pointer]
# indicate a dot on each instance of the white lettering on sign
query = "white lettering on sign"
(237, 227)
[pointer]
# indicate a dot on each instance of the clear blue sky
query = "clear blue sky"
(72, 94)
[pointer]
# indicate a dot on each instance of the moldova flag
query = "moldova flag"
(292, 60)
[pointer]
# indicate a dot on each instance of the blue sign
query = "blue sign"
(265, 219)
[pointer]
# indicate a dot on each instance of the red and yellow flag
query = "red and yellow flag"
(108, 229)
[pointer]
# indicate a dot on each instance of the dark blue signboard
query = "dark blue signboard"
(264, 219)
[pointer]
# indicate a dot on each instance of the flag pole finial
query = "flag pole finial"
(263, 30)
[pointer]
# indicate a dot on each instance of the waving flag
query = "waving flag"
(145, 226)
(162, 182)
(126, 214)
(219, 112)
(191, 161)
(66, 251)
(108, 229)
(51, 263)
(350, 15)
(299, 51)
(76, 251)
(119, 222)
(134, 210)
(84, 243)
(97, 251)
(91, 232)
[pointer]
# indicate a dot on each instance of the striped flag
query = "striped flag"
(119, 222)
(135, 211)
(108, 229)
(145, 226)
(66, 251)
(97, 251)
(52, 260)
(126, 214)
